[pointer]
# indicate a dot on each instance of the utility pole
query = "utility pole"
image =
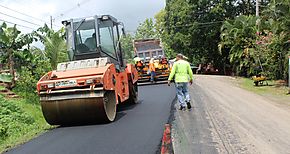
(257, 7)
(51, 22)
(289, 75)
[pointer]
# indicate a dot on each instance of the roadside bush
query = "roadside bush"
(28, 75)
(13, 120)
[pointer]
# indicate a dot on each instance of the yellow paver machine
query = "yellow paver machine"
(147, 50)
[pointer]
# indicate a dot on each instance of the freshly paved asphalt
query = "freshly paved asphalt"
(137, 129)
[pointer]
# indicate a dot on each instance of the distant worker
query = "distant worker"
(164, 60)
(136, 59)
(91, 42)
(152, 70)
(182, 74)
(156, 63)
(139, 65)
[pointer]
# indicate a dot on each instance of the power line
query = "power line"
(26, 15)
(202, 24)
(17, 24)
(73, 8)
(20, 19)
(22, 13)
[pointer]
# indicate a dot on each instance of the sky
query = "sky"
(131, 12)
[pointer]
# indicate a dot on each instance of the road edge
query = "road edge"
(171, 118)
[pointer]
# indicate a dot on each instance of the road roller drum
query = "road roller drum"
(82, 110)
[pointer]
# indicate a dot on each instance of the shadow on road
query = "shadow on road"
(121, 108)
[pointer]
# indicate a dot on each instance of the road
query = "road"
(137, 129)
(228, 119)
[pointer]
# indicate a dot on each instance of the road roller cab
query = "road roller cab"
(95, 80)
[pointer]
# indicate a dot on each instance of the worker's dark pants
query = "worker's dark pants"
(182, 93)
(153, 74)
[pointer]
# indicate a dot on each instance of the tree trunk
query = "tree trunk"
(11, 67)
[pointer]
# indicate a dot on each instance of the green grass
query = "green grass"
(5, 78)
(272, 91)
(20, 121)
(2, 88)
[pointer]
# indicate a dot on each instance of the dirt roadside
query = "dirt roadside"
(228, 119)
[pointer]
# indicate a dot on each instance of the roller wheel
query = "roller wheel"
(79, 111)
(110, 105)
(133, 90)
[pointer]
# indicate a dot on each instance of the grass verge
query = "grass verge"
(5, 78)
(20, 121)
(272, 91)
(2, 88)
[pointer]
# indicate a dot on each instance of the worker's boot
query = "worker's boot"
(188, 105)
(182, 108)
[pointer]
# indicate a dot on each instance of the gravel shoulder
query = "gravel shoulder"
(229, 119)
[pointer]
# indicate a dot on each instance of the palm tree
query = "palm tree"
(55, 49)
(55, 45)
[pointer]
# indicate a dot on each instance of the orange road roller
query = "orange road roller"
(89, 87)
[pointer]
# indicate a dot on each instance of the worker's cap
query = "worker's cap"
(180, 55)
(137, 59)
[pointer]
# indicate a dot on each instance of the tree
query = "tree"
(146, 30)
(160, 21)
(193, 27)
(238, 38)
(127, 47)
(55, 45)
(11, 41)
(250, 42)
(33, 64)
(274, 37)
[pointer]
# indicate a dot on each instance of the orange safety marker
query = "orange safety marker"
(166, 147)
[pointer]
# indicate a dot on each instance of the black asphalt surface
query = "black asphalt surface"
(137, 129)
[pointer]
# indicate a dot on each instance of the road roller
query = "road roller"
(96, 78)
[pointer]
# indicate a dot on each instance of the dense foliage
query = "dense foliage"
(21, 119)
(127, 47)
(228, 34)
(12, 41)
(55, 45)
(259, 44)
(13, 120)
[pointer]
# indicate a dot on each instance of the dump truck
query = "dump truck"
(96, 78)
(145, 50)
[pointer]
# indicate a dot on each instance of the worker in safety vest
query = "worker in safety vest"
(183, 75)
(163, 60)
(152, 69)
(136, 59)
